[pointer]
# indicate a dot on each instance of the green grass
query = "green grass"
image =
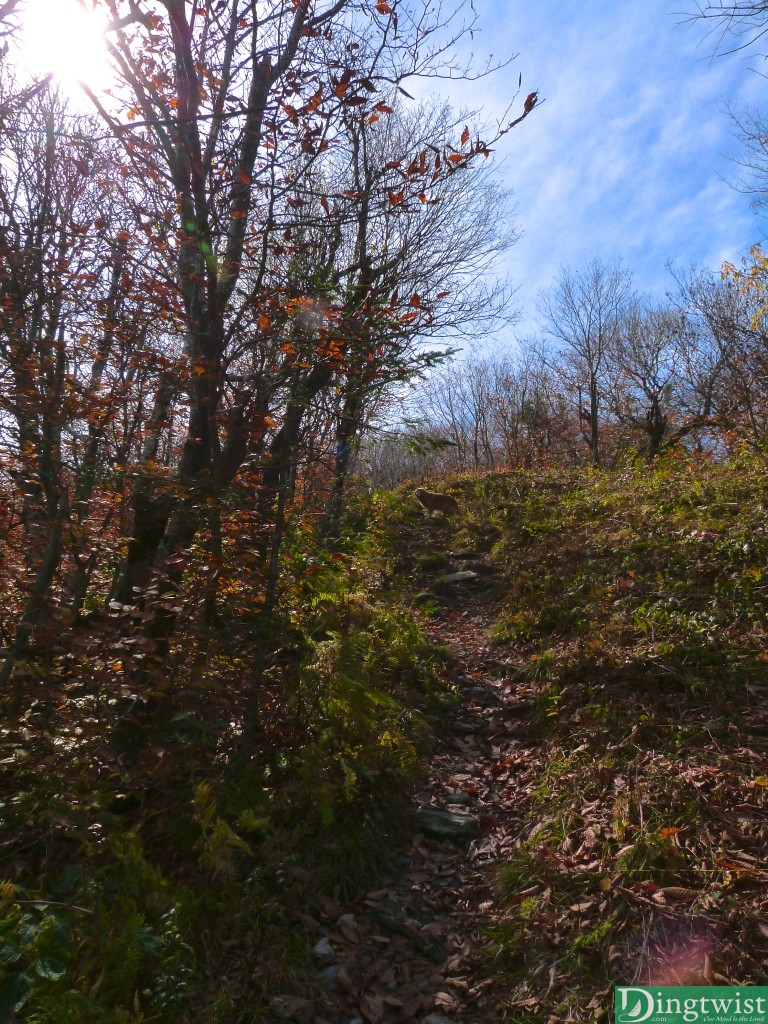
(635, 604)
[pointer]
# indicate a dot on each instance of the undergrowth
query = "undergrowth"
(150, 874)
(637, 602)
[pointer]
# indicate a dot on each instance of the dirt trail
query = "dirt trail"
(411, 950)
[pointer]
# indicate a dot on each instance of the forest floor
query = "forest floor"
(511, 760)
(416, 946)
(607, 733)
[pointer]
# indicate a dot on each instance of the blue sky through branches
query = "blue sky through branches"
(629, 152)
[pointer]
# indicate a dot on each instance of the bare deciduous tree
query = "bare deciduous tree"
(581, 311)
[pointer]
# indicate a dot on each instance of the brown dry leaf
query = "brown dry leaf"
(308, 922)
(344, 981)
(377, 894)
(417, 877)
(295, 1008)
(411, 1008)
(741, 855)
(593, 865)
(445, 999)
(372, 1008)
(580, 908)
(330, 907)
(435, 929)
(350, 934)
(680, 894)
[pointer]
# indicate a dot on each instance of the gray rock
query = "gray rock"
(459, 798)
(446, 824)
(446, 704)
(323, 948)
(327, 978)
(465, 728)
(459, 577)
(349, 921)
(480, 695)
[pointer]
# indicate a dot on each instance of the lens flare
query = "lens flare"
(62, 38)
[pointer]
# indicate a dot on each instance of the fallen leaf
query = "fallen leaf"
(680, 894)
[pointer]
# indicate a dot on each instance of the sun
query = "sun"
(62, 38)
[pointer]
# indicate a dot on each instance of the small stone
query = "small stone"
(459, 798)
(480, 695)
(323, 948)
(446, 824)
(459, 577)
(349, 921)
(464, 728)
(328, 978)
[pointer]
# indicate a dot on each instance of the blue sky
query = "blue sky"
(629, 152)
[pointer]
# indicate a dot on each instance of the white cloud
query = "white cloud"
(628, 152)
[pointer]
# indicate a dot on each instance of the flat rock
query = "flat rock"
(328, 978)
(446, 824)
(459, 577)
(465, 728)
(323, 948)
(459, 798)
(484, 697)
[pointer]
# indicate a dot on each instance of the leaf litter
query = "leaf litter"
(622, 839)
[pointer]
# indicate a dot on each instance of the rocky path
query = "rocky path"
(415, 948)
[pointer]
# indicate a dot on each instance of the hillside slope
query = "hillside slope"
(628, 616)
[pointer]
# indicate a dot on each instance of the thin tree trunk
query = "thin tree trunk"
(36, 603)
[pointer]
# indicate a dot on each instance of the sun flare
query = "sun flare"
(63, 39)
